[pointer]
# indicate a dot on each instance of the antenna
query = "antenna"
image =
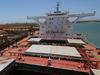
(57, 8)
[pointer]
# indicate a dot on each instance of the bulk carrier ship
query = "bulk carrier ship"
(53, 50)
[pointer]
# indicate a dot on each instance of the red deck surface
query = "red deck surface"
(61, 64)
(55, 63)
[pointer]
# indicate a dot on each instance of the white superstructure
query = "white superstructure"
(57, 25)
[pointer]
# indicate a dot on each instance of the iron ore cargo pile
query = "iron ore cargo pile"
(11, 33)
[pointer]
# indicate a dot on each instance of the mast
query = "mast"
(57, 8)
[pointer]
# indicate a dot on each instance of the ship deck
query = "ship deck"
(55, 63)
(17, 50)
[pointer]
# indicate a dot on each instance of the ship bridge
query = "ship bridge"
(58, 24)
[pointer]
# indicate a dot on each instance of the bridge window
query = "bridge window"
(50, 18)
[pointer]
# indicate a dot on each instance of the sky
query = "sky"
(15, 11)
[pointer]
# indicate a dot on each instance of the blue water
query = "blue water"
(91, 30)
